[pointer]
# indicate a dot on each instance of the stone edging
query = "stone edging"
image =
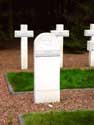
(21, 120)
(10, 88)
(77, 89)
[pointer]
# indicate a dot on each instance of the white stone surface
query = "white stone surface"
(90, 32)
(24, 34)
(91, 58)
(92, 28)
(90, 44)
(46, 69)
(60, 33)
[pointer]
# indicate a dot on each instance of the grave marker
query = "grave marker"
(24, 34)
(90, 44)
(60, 33)
(46, 69)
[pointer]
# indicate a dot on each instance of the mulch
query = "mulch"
(11, 106)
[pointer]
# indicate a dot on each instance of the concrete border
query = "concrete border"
(77, 89)
(21, 120)
(10, 88)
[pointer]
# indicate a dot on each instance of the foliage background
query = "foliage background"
(43, 15)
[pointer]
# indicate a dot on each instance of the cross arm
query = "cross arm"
(89, 32)
(64, 33)
(24, 34)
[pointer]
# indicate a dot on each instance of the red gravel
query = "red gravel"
(13, 105)
(10, 60)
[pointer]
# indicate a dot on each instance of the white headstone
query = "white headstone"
(46, 69)
(60, 33)
(24, 34)
(90, 44)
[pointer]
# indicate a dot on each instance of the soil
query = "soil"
(11, 106)
(10, 60)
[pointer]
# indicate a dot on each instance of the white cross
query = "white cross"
(60, 33)
(90, 32)
(24, 34)
(90, 44)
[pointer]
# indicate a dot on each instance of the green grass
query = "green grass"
(22, 81)
(69, 79)
(76, 78)
(60, 118)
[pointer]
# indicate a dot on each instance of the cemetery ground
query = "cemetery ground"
(11, 106)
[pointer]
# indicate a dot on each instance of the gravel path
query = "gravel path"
(13, 105)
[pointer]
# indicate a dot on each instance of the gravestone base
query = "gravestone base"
(45, 96)
(91, 58)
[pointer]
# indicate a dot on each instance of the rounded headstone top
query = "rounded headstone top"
(46, 41)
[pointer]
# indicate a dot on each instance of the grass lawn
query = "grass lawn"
(60, 118)
(22, 81)
(69, 79)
